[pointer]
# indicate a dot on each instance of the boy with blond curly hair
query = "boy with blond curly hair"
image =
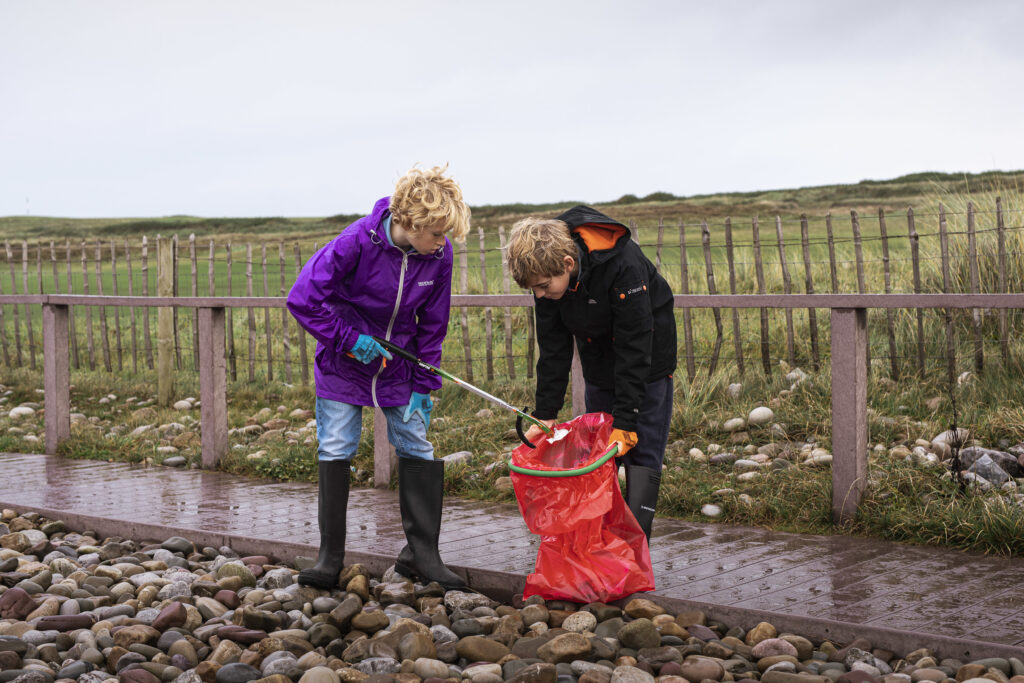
(387, 275)
(593, 284)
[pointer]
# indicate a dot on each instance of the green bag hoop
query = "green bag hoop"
(565, 473)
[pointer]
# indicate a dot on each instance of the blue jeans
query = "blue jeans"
(339, 427)
(651, 425)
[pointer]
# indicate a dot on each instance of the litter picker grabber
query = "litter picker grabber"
(520, 414)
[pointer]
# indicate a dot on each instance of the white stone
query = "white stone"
(746, 499)
(748, 476)
(182, 405)
(714, 448)
(461, 456)
(697, 455)
(735, 390)
(710, 510)
(139, 431)
(734, 425)
(796, 376)
(977, 481)
(257, 455)
(166, 450)
(819, 458)
(760, 415)
(20, 412)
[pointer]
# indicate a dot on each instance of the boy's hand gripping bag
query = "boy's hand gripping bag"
(591, 549)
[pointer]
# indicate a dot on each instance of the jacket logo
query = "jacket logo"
(635, 290)
(591, 301)
(425, 283)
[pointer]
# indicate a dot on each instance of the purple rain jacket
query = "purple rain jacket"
(358, 283)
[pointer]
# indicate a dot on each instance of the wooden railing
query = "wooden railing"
(849, 355)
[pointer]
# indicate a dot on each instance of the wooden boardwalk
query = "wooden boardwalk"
(834, 586)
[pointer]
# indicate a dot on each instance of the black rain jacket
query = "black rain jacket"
(620, 311)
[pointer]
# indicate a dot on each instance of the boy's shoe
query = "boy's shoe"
(332, 507)
(420, 495)
(642, 484)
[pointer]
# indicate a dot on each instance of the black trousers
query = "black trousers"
(652, 421)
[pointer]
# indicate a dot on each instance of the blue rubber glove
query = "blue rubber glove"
(419, 403)
(366, 349)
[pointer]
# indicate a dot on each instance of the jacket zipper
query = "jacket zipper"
(391, 324)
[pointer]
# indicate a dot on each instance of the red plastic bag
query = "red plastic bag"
(591, 548)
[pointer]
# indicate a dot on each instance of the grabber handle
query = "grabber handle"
(520, 432)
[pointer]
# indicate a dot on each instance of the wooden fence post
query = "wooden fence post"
(228, 314)
(849, 412)
(488, 320)
(507, 286)
(831, 253)
(71, 310)
(131, 309)
(737, 338)
(266, 315)
(684, 278)
(766, 360)
(661, 240)
(286, 342)
(194, 272)
(972, 259)
(117, 309)
(812, 315)
(165, 322)
(705, 238)
(859, 255)
(250, 312)
(950, 342)
(894, 368)
(915, 245)
(175, 256)
(91, 342)
(1004, 335)
(56, 376)
(303, 355)
(213, 413)
(3, 334)
(14, 307)
(787, 287)
(467, 347)
(146, 335)
(97, 268)
(31, 336)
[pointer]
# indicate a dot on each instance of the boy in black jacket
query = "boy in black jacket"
(591, 282)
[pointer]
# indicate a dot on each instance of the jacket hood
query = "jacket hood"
(597, 231)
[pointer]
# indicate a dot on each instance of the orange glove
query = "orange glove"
(625, 441)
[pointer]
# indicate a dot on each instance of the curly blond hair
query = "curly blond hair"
(422, 199)
(537, 247)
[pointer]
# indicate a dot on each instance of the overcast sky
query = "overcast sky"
(316, 107)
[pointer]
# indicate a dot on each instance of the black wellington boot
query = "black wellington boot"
(332, 506)
(420, 494)
(642, 484)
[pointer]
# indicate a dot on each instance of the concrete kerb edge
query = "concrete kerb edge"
(506, 586)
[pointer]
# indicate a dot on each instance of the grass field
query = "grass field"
(904, 501)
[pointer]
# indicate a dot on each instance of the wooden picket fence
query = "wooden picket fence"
(157, 268)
